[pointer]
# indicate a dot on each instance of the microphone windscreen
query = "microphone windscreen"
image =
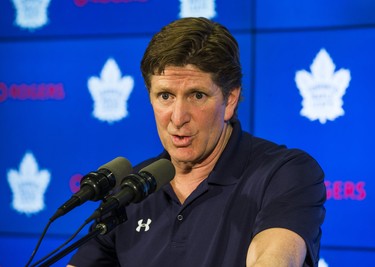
(162, 170)
(120, 167)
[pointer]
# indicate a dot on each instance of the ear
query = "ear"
(232, 102)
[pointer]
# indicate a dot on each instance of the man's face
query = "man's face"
(190, 113)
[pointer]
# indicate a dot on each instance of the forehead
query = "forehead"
(188, 74)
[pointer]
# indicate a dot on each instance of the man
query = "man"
(236, 200)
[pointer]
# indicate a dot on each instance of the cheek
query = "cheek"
(219, 115)
(162, 117)
(212, 123)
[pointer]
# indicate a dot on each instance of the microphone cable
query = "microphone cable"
(98, 189)
(118, 217)
(39, 242)
(62, 245)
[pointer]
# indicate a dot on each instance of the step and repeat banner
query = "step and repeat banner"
(72, 98)
(314, 89)
(320, 99)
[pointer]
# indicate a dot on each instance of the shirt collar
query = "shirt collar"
(233, 160)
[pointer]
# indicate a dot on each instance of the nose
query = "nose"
(180, 113)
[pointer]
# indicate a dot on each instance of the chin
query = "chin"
(182, 157)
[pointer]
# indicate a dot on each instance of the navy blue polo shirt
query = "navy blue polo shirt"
(254, 186)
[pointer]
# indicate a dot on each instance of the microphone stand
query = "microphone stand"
(101, 228)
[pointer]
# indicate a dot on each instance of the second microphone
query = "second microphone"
(136, 187)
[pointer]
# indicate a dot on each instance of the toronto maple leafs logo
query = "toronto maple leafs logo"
(110, 93)
(31, 14)
(28, 186)
(197, 8)
(322, 89)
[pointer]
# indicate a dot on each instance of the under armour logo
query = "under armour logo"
(145, 225)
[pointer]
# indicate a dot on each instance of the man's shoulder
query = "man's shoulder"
(266, 152)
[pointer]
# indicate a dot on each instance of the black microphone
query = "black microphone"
(136, 187)
(96, 185)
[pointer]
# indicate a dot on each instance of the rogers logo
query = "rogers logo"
(43, 91)
(345, 190)
(81, 3)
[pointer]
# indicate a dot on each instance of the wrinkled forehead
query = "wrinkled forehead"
(184, 74)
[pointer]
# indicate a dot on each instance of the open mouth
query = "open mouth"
(180, 140)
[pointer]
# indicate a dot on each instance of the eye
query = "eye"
(164, 96)
(199, 95)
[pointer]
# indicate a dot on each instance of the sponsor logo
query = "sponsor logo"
(345, 190)
(43, 91)
(322, 89)
(197, 8)
(110, 93)
(28, 185)
(145, 226)
(31, 14)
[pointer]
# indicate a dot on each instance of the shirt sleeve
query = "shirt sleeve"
(294, 199)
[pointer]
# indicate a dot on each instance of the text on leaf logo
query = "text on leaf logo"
(28, 185)
(110, 93)
(31, 14)
(197, 8)
(322, 89)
